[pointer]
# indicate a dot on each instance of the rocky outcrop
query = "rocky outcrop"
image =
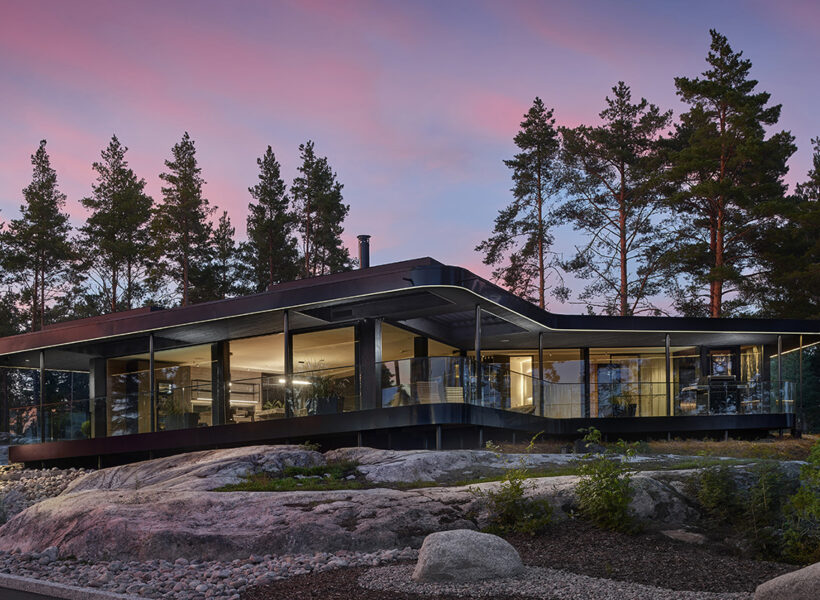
(803, 584)
(466, 555)
(205, 470)
(165, 508)
(392, 466)
(157, 523)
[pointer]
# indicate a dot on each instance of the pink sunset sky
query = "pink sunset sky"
(415, 104)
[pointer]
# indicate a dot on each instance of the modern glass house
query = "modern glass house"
(410, 354)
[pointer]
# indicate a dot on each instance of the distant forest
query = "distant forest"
(691, 210)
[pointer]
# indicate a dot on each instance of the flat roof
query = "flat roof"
(421, 293)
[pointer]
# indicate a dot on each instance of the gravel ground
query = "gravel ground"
(20, 488)
(650, 559)
(573, 561)
(535, 582)
(183, 579)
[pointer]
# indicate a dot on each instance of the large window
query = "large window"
(183, 390)
(257, 384)
(628, 382)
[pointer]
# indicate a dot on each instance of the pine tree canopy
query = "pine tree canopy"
(181, 227)
(519, 247)
(790, 251)
(37, 245)
(613, 182)
(270, 254)
(116, 238)
(729, 180)
(320, 213)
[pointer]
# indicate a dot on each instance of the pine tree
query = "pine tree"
(116, 234)
(38, 249)
(520, 245)
(729, 177)
(320, 214)
(270, 254)
(11, 320)
(219, 279)
(614, 188)
(180, 228)
(789, 286)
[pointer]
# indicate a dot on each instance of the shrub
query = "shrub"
(718, 495)
(511, 511)
(802, 534)
(763, 510)
(605, 488)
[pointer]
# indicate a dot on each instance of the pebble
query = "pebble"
(21, 488)
(535, 582)
(186, 579)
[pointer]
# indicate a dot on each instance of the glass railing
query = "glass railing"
(406, 382)
(66, 420)
(734, 397)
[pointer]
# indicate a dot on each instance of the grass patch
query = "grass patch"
(785, 448)
(338, 476)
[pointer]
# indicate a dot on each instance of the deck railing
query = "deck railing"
(405, 382)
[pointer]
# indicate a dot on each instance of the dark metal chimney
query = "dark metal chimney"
(364, 251)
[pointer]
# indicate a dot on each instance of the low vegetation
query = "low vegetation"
(782, 448)
(511, 511)
(770, 516)
(338, 476)
(605, 487)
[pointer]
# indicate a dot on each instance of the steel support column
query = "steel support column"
(478, 378)
(668, 375)
(288, 352)
(780, 372)
(42, 420)
(587, 382)
(152, 383)
(798, 411)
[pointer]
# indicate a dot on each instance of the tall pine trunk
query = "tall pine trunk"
(541, 275)
(622, 241)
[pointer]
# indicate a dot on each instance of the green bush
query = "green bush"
(802, 534)
(763, 507)
(511, 511)
(718, 495)
(605, 488)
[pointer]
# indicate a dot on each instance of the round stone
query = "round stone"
(464, 555)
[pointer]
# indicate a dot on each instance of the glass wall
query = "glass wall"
(325, 374)
(627, 382)
(66, 407)
(183, 390)
(257, 384)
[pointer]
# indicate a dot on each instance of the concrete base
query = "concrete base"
(13, 587)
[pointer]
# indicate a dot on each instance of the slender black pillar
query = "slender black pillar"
(98, 397)
(152, 384)
(668, 375)
(587, 382)
(4, 408)
(288, 355)
(42, 420)
(798, 410)
(780, 372)
(220, 382)
(478, 378)
(370, 358)
(540, 410)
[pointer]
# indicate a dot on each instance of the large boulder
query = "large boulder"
(464, 555)
(156, 523)
(797, 585)
(204, 470)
